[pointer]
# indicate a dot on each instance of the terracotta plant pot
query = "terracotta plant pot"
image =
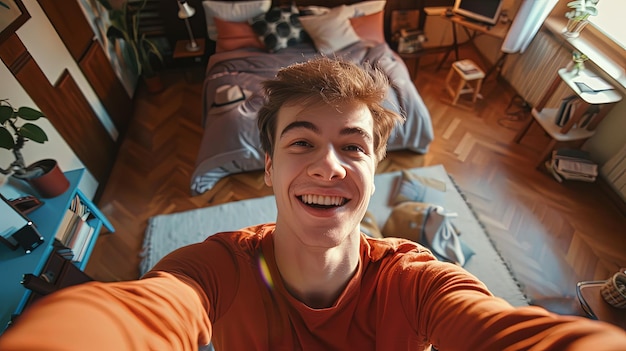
(52, 182)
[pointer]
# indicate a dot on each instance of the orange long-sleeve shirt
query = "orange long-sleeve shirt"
(228, 288)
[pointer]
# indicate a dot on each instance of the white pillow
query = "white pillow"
(332, 31)
(232, 11)
(365, 8)
(313, 10)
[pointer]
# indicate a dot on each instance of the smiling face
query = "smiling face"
(322, 172)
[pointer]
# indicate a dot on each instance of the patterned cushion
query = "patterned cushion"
(278, 28)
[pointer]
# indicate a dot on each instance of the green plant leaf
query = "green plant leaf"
(150, 47)
(6, 139)
(33, 132)
(6, 112)
(29, 114)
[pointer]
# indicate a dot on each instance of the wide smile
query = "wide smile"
(322, 201)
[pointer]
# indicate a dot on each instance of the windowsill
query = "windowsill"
(609, 60)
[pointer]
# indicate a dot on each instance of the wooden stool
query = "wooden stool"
(467, 71)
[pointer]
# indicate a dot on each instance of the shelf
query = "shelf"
(546, 119)
(593, 98)
(47, 219)
(600, 100)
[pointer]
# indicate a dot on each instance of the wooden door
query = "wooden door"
(63, 102)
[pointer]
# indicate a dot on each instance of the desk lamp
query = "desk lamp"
(185, 12)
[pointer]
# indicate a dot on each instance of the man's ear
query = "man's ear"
(268, 170)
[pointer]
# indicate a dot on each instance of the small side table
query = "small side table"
(594, 305)
(465, 71)
(190, 59)
(181, 52)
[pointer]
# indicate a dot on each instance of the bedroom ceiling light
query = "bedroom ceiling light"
(185, 12)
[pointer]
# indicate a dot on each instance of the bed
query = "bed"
(254, 39)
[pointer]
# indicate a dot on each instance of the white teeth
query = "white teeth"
(322, 200)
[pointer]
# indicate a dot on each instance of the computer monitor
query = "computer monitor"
(486, 11)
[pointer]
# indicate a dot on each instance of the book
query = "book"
(72, 229)
(572, 164)
(467, 66)
(587, 83)
(564, 110)
(75, 235)
(65, 223)
(82, 238)
(574, 167)
(570, 176)
(573, 154)
(568, 112)
(83, 249)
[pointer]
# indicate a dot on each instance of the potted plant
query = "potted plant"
(16, 128)
(141, 52)
(578, 62)
(578, 16)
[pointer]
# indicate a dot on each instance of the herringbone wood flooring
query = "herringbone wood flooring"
(552, 234)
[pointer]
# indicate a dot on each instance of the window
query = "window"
(608, 20)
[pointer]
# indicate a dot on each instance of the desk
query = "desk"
(473, 29)
(594, 305)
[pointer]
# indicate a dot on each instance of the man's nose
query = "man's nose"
(327, 165)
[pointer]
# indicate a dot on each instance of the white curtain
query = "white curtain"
(527, 22)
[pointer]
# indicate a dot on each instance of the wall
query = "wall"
(47, 49)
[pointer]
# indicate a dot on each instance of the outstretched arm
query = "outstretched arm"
(159, 313)
(462, 315)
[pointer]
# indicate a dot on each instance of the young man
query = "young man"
(311, 281)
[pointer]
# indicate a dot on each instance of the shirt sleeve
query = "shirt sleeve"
(157, 313)
(461, 315)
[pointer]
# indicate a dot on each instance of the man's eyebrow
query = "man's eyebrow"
(356, 130)
(300, 124)
(312, 127)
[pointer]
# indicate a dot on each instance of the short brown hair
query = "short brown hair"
(332, 81)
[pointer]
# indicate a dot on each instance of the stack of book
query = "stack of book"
(572, 164)
(75, 233)
(410, 41)
(467, 67)
(568, 108)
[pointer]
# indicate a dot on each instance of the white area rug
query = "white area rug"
(166, 233)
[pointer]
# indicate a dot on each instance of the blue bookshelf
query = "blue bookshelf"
(47, 219)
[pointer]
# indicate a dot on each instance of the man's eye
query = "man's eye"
(301, 143)
(354, 148)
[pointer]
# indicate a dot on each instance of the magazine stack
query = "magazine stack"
(572, 164)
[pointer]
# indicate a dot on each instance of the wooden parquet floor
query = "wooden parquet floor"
(552, 234)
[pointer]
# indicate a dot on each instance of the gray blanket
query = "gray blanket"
(230, 142)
